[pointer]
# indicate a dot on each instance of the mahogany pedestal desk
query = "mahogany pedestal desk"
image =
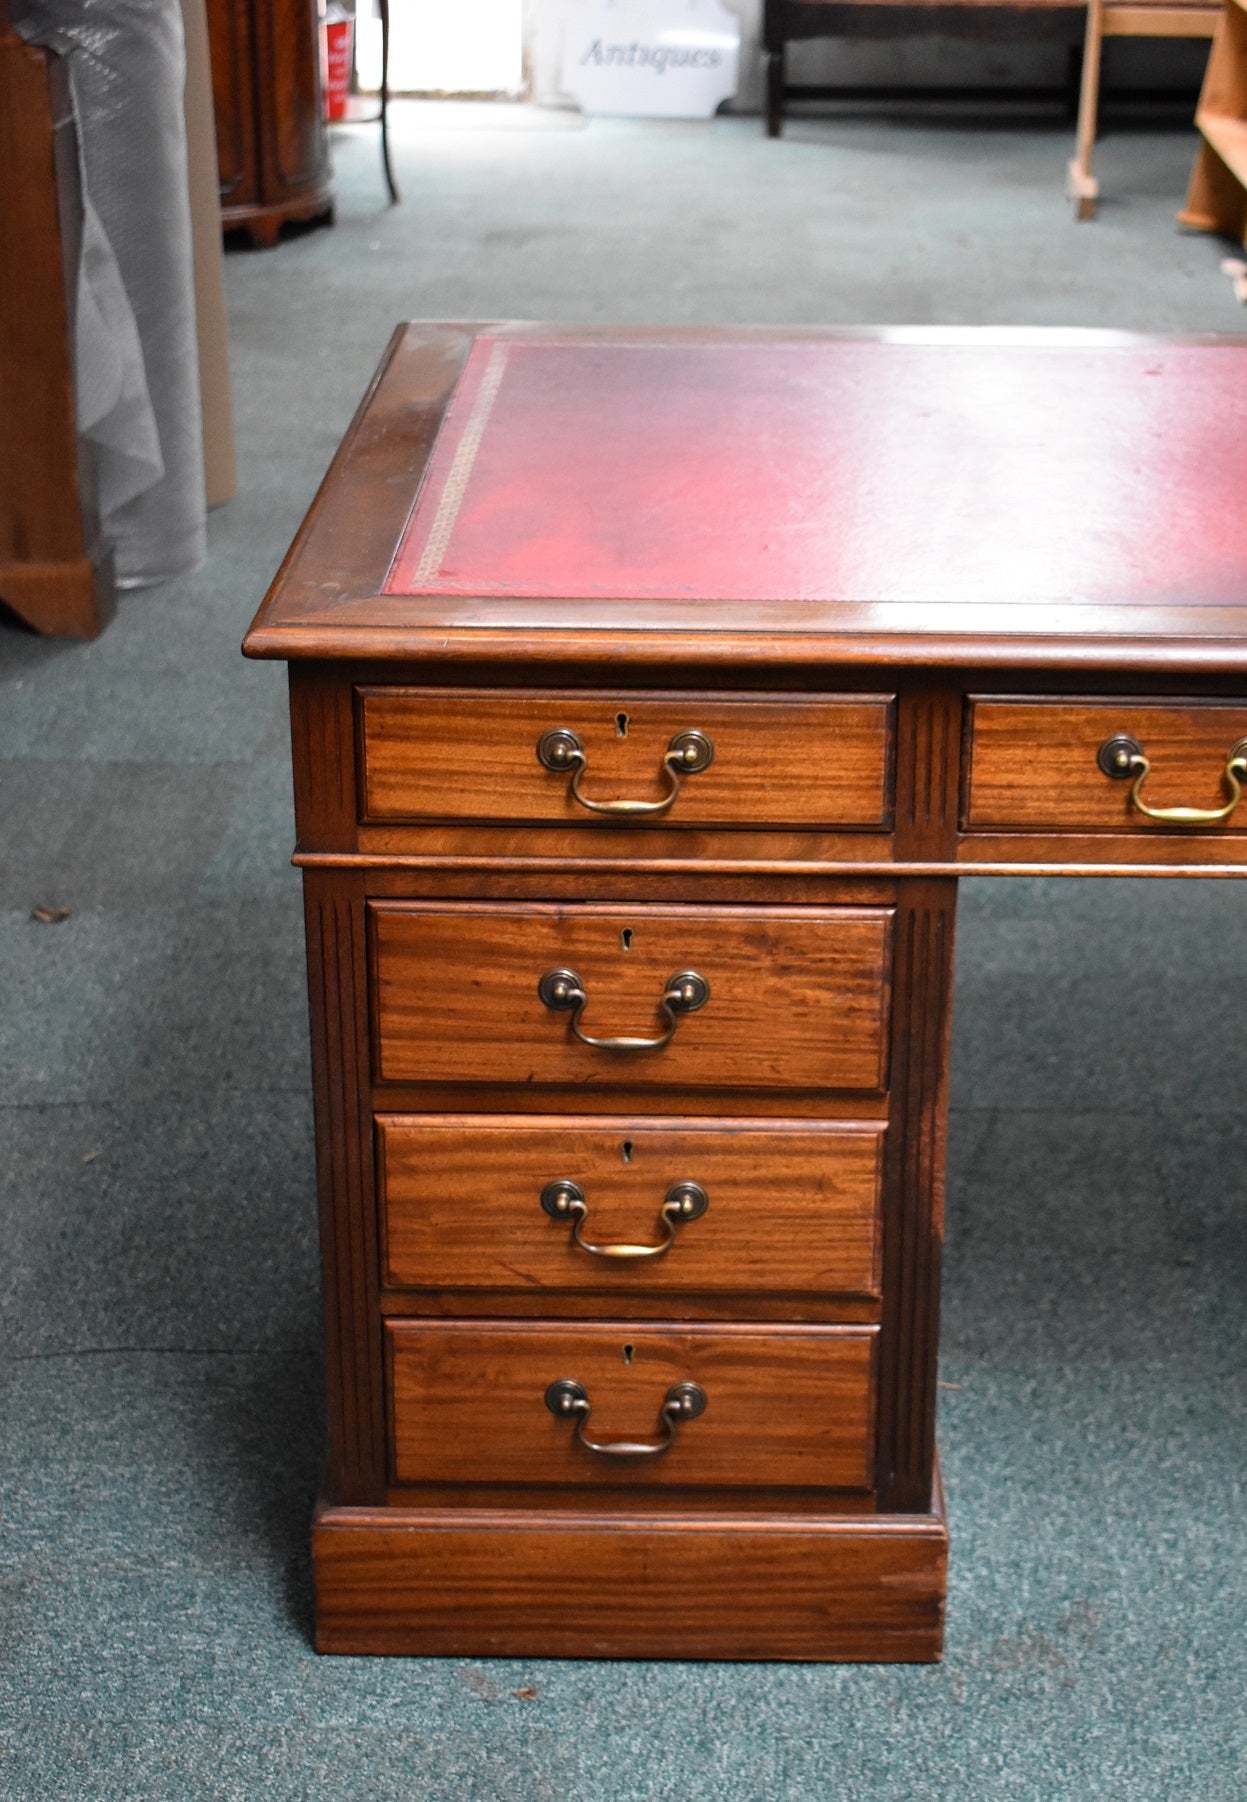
(650, 692)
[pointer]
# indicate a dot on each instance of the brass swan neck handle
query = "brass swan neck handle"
(562, 750)
(565, 1200)
(569, 1400)
(562, 992)
(1123, 759)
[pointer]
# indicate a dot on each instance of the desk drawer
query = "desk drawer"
(774, 760)
(483, 1201)
(1035, 765)
(794, 998)
(783, 1406)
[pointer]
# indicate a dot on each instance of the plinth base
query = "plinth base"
(546, 1584)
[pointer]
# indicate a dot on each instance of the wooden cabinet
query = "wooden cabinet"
(630, 1124)
(272, 147)
(56, 568)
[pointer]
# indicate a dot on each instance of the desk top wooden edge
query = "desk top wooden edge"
(329, 599)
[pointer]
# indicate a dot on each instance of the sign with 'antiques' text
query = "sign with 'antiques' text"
(671, 59)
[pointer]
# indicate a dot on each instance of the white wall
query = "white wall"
(914, 60)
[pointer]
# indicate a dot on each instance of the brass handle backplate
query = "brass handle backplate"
(1123, 759)
(565, 1200)
(562, 750)
(562, 992)
(569, 1400)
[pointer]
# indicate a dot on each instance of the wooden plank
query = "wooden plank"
(586, 1585)
(1228, 137)
(1216, 199)
(1136, 20)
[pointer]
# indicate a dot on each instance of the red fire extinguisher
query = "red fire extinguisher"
(336, 38)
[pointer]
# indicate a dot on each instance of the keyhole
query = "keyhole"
(626, 1151)
(621, 724)
(625, 938)
(627, 1354)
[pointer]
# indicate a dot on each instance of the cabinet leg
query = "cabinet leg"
(775, 92)
(337, 980)
(264, 231)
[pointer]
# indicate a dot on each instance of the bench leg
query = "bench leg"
(775, 92)
(1081, 186)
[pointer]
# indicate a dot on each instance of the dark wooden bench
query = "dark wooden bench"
(974, 21)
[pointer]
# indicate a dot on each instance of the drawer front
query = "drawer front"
(474, 755)
(1034, 765)
(480, 1201)
(797, 997)
(783, 1406)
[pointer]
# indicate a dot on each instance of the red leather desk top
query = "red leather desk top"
(943, 496)
(830, 471)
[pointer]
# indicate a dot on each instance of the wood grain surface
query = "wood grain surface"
(798, 997)
(793, 1206)
(1032, 763)
(272, 146)
(56, 570)
(913, 1194)
(338, 1007)
(782, 760)
(786, 1406)
(524, 1584)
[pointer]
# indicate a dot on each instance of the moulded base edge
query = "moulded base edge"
(492, 1583)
